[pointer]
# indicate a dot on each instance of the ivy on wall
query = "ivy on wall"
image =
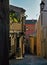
(14, 16)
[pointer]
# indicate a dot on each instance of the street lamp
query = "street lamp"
(42, 4)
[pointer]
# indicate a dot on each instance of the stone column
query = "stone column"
(4, 32)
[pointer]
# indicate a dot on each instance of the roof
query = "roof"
(15, 7)
(30, 21)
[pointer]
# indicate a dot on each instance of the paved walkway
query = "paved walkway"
(29, 60)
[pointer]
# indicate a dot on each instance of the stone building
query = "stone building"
(43, 14)
(17, 31)
(42, 30)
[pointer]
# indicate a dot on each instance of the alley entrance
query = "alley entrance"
(27, 47)
(27, 50)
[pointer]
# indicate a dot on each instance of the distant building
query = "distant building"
(30, 27)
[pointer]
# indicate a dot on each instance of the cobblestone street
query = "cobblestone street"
(29, 60)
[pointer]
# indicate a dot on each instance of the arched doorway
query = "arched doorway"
(19, 47)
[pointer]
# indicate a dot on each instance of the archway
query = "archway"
(20, 48)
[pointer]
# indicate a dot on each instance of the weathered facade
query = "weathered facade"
(38, 29)
(30, 35)
(16, 31)
(30, 27)
(43, 14)
(41, 29)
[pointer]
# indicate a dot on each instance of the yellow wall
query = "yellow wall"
(39, 38)
(15, 26)
(40, 44)
(32, 44)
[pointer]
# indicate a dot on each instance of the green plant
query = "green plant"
(14, 16)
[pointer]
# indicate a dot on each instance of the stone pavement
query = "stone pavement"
(29, 60)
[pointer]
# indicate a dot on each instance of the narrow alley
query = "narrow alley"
(23, 32)
(29, 60)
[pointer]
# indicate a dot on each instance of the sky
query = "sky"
(32, 7)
